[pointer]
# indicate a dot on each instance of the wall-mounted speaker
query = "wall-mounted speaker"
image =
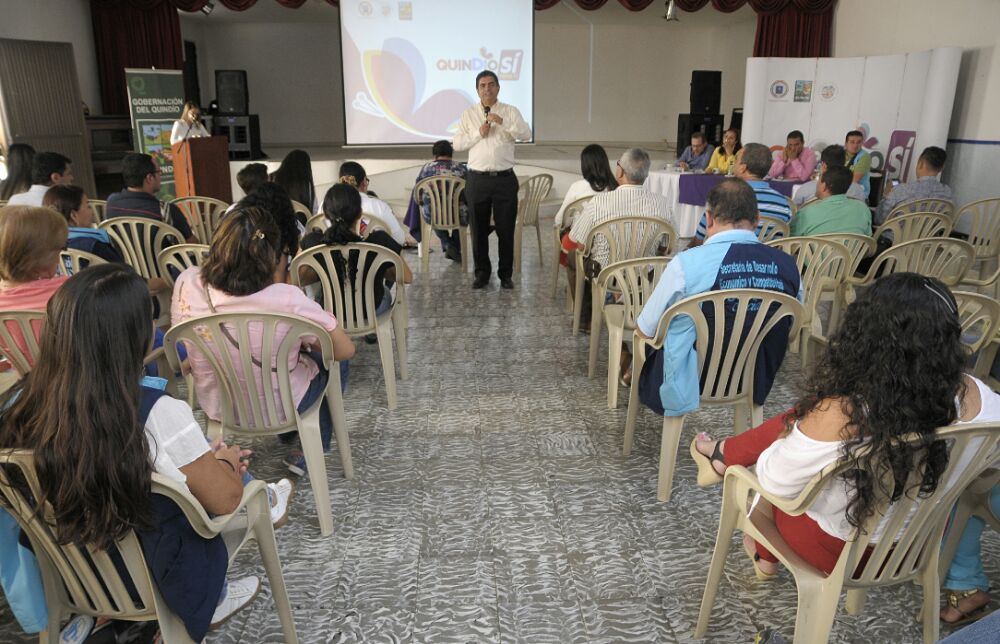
(231, 91)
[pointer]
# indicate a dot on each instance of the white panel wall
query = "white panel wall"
(59, 21)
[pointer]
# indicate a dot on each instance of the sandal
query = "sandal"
(967, 617)
(748, 547)
(625, 371)
(707, 474)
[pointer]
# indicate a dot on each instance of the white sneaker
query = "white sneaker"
(239, 593)
(280, 494)
(76, 630)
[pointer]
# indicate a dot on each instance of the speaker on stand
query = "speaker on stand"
(704, 117)
(234, 120)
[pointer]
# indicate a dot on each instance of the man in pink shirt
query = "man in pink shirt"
(796, 162)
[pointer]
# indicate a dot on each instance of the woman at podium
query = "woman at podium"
(189, 125)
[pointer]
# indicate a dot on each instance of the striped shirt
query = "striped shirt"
(770, 203)
(628, 200)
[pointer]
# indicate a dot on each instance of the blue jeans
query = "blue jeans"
(317, 389)
(966, 570)
(982, 632)
(448, 238)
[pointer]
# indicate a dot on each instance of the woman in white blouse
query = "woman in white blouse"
(894, 368)
(188, 126)
(597, 177)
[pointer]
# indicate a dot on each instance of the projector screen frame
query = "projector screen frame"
(343, 92)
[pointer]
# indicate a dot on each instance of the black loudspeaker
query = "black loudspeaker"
(243, 133)
(736, 120)
(231, 91)
(706, 92)
(711, 125)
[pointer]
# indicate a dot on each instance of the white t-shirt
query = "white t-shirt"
(32, 197)
(579, 189)
(382, 210)
(181, 130)
(786, 467)
(174, 436)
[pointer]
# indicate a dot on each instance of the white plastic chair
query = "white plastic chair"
(979, 316)
(82, 580)
(917, 225)
(179, 258)
(633, 281)
(908, 552)
(859, 247)
(626, 238)
(302, 209)
(444, 192)
(769, 228)
(940, 206)
(530, 197)
(354, 304)
(984, 235)
(727, 374)
(823, 265)
(24, 326)
(72, 261)
(140, 240)
(98, 206)
(569, 214)
(255, 385)
(317, 223)
(974, 501)
(203, 214)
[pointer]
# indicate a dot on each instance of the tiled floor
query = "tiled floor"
(493, 505)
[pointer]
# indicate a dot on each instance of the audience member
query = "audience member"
(20, 158)
(864, 393)
(796, 162)
(966, 585)
(81, 398)
(597, 177)
(927, 186)
(30, 242)
(354, 174)
(831, 155)
(239, 276)
(72, 203)
(697, 155)
(731, 255)
(141, 174)
(752, 165)
(189, 125)
(272, 199)
(859, 161)
(834, 211)
(342, 207)
(251, 176)
(296, 177)
(47, 169)
(631, 199)
(443, 165)
(725, 155)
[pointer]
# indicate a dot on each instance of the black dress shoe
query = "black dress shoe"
(480, 282)
(453, 254)
(506, 283)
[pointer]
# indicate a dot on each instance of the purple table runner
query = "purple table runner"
(693, 188)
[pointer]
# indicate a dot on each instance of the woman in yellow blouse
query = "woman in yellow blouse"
(725, 154)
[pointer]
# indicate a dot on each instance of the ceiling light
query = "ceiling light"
(671, 14)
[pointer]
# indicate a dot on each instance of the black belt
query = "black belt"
(493, 173)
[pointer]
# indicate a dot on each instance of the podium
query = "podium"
(201, 168)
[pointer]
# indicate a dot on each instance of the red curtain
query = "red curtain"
(794, 34)
(132, 33)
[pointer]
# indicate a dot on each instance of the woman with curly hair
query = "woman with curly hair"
(894, 368)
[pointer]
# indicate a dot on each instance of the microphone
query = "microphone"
(486, 111)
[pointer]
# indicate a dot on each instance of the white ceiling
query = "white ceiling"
(612, 13)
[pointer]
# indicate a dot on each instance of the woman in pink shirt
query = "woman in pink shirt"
(30, 242)
(242, 274)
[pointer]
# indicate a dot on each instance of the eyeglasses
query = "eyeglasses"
(619, 164)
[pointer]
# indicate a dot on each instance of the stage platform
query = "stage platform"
(393, 169)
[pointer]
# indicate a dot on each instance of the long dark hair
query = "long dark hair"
(736, 148)
(596, 169)
(296, 177)
(78, 409)
(273, 199)
(342, 207)
(20, 157)
(896, 367)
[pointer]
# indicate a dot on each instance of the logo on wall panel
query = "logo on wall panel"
(828, 92)
(779, 89)
(803, 91)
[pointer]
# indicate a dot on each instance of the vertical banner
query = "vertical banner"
(155, 101)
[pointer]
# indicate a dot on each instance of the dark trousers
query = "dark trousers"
(496, 195)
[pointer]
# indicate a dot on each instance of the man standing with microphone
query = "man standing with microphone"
(488, 131)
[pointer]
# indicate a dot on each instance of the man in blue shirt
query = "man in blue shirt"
(697, 155)
(731, 257)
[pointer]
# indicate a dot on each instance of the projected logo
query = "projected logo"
(779, 89)
(395, 87)
(507, 66)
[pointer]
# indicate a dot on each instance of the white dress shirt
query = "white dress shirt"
(33, 197)
(382, 210)
(496, 151)
(182, 130)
